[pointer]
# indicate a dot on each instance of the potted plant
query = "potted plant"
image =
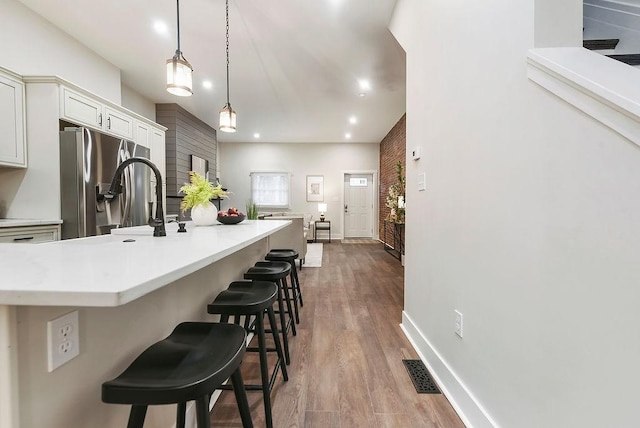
(395, 198)
(197, 196)
(252, 210)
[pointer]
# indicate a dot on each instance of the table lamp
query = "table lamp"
(322, 208)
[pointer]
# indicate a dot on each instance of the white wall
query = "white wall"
(34, 46)
(136, 102)
(237, 160)
(530, 226)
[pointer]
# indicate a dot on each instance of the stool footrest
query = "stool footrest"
(253, 387)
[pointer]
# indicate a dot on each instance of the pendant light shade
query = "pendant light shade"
(179, 77)
(227, 119)
(179, 71)
(227, 114)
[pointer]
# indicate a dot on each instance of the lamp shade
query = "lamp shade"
(179, 77)
(227, 119)
(322, 208)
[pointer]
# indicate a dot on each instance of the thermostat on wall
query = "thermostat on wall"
(415, 153)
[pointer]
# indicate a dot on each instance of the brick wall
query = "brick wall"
(392, 150)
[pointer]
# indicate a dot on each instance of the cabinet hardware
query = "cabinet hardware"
(26, 238)
(109, 122)
(100, 119)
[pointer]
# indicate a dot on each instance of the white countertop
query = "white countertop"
(19, 222)
(105, 271)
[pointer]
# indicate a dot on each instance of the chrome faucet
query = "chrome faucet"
(116, 188)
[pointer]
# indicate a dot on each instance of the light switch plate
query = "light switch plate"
(416, 153)
(421, 182)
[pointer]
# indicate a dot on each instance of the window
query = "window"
(270, 189)
(358, 182)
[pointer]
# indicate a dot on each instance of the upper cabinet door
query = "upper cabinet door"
(81, 110)
(118, 123)
(143, 134)
(12, 125)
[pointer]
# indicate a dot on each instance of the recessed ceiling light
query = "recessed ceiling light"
(361, 94)
(353, 120)
(256, 135)
(347, 136)
(207, 84)
(160, 27)
(364, 84)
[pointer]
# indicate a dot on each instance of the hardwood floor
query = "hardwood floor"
(346, 361)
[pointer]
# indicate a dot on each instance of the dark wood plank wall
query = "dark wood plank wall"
(186, 135)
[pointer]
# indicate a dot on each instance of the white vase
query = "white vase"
(204, 215)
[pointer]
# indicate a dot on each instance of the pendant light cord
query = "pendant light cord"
(227, 52)
(178, 18)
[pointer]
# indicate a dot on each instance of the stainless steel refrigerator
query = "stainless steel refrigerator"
(88, 160)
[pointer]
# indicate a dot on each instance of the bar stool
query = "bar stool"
(254, 298)
(291, 295)
(277, 272)
(290, 256)
(191, 363)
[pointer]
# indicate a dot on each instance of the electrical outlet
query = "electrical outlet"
(63, 340)
(458, 326)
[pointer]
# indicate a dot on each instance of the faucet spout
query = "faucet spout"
(115, 189)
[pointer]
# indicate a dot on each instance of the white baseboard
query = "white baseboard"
(462, 400)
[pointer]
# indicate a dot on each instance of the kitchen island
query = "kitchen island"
(130, 290)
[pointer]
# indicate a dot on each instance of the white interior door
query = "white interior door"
(358, 205)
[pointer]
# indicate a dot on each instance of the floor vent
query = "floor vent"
(421, 378)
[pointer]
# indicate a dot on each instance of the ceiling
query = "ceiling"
(295, 65)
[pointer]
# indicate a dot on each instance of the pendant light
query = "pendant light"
(179, 79)
(227, 115)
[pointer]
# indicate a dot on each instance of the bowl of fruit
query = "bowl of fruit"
(231, 216)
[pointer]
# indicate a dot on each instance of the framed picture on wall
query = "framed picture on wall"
(315, 188)
(199, 165)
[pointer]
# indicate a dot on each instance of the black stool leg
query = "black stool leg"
(276, 340)
(181, 415)
(264, 371)
(241, 399)
(136, 416)
(283, 325)
(294, 294)
(295, 275)
(285, 289)
(202, 412)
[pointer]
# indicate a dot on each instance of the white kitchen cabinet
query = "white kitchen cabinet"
(118, 123)
(88, 111)
(13, 145)
(29, 234)
(158, 151)
(158, 158)
(80, 109)
(154, 138)
(48, 100)
(143, 134)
